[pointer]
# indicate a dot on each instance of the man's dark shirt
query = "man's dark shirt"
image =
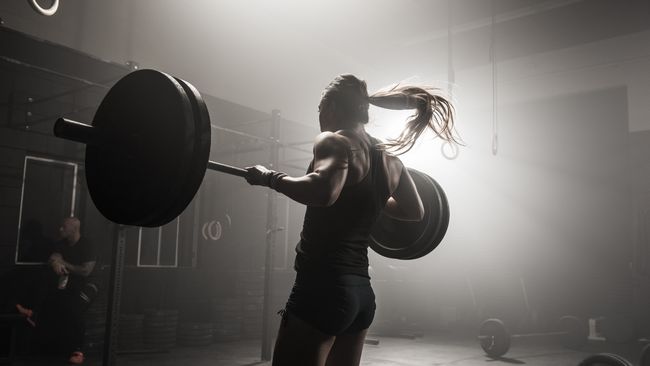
(83, 251)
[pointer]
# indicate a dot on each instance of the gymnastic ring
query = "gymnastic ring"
(454, 150)
(41, 10)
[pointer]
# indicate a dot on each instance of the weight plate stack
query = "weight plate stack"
(148, 186)
(227, 319)
(194, 334)
(159, 329)
(129, 335)
(414, 239)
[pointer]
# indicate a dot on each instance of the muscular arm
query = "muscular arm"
(322, 186)
(60, 266)
(83, 269)
(405, 203)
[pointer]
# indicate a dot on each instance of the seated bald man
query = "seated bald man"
(61, 316)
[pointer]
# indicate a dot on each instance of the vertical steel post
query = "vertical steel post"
(114, 296)
(271, 229)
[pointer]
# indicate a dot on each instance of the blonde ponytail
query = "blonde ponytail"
(432, 110)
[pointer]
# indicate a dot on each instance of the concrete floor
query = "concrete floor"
(425, 351)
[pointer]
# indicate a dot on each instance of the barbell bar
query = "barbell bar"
(147, 152)
(495, 339)
(87, 134)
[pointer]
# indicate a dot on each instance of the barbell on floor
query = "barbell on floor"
(495, 338)
(147, 152)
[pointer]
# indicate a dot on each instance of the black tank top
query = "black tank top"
(334, 240)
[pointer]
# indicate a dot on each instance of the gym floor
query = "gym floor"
(424, 351)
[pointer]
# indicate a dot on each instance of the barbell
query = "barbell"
(147, 152)
(495, 339)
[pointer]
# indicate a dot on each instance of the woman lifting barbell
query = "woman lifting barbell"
(351, 179)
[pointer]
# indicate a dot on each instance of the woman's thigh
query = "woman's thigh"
(300, 344)
(347, 349)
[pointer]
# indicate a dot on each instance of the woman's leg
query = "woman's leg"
(348, 346)
(347, 349)
(300, 344)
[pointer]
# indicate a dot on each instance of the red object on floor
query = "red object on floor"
(77, 358)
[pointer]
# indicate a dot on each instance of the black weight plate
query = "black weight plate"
(604, 359)
(440, 207)
(413, 239)
(147, 120)
(497, 339)
(201, 148)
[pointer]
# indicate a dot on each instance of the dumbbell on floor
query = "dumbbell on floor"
(495, 338)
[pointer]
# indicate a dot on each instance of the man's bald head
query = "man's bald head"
(70, 229)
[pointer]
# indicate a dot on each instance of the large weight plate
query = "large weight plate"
(148, 124)
(201, 145)
(408, 239)
(494, 338)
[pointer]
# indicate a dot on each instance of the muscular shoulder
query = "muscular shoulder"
(331, 144)
(394, 168)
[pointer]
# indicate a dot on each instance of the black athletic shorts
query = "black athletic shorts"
(339, 305)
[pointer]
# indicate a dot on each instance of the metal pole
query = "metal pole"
(271, 229)
(114, 296)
